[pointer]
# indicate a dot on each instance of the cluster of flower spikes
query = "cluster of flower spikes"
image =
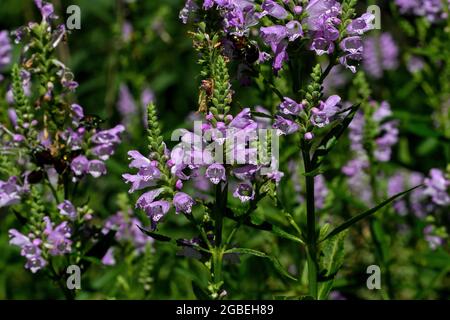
(57, 149)
(80, 148)
(424, 203)
(433, 10)
(326, 24)
(369, 127)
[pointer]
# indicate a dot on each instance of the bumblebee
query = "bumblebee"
(245, 49)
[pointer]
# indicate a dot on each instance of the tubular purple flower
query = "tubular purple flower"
(361, 25)
(96, 168)
(352, 45)
(285, 126)
(290, 107)
(216, 173)
(273, 9)
(156, 211)
(108, 136)
(244, 192)
(183, 203)
(322, 46)
(148, 197)
(79, 165)
(66, 208)
(323, 114)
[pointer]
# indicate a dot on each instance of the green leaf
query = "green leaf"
(331, 258)
(366, 214)
(199, 293)
(278, 266)
(283, 234)
(155, 236)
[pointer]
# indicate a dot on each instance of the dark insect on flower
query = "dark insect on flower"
(246, 49)
(90, 122)
(35, 176)
(42, 157)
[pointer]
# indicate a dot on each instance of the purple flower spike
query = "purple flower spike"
(244, 192)
(66, 208)
(79, 165)
(436, 187)
(96, 168)
(183, 202)
(285, 126)
(216, 173)
(289, 106)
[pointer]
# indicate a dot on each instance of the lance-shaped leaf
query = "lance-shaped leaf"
(331, 258)
(331, 138)
(155, 236)
(257, 253)
(366, 214)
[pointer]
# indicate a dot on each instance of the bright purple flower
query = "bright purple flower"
(294, 30)
(104, 151)
(352, 45)
(290, 107)
(321, 11)
(322, 46)
(10, 192)
(66, 208)
(57, 239)
(46, 9)
(273, 9)
(323, 114)
(156, 211)
(242, 120)
(79, 165)
(436, 187)
(361, 25)
(108, 136)
(96, 168)
(148, 197)
(183, 202)
(285, 126)
(216, 173)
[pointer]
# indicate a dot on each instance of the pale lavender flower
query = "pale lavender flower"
(290, 107)
(273, 9)
(10, 192)
(66, 208)
(126, 104)
(361, 25)
(324, 113)
(285, 126)
(108, 259)
(156, 211)
(46, 10)
(108, 136)
(434, 241)
(57, 239)
(79, 165)
(183, 203)
(96, 168)
(216, 173)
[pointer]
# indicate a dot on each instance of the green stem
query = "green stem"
(311, 241)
